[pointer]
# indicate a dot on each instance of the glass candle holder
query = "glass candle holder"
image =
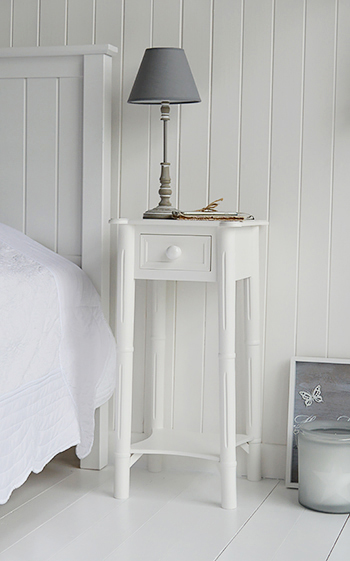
(324, 466)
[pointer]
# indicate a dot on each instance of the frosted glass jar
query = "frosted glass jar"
(324, 466)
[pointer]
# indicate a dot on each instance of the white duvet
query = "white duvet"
(57, 358)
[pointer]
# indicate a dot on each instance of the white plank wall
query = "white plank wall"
(316, 178)
(271, 136)
(12, 150)
(339, 302)
(284, 212)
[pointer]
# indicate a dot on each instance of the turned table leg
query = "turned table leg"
(154, 383)
(254, 405)
(227, 374)
(125, 341)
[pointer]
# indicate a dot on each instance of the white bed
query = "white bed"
(57, 358)
(57, 353)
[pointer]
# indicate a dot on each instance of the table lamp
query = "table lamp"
(164, 78)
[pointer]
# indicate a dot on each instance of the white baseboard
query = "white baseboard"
(274, 461)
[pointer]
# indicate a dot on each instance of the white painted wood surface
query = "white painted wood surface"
(285, 189)
(284, 527)
(342, 545)
(271, 136)
(220, 252)
(67, 514)
(43, 168)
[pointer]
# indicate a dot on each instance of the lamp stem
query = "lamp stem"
(165, 189)
(164, 208)
(165, 117)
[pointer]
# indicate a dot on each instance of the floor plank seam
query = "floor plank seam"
(285, 539)
(247, 521)
(146, 522)
(77, 537)
(35, 496)
(338, 536)
(52, 517)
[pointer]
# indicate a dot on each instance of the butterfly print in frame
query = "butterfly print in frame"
(310, 397)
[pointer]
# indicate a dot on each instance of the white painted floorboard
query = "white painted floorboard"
(282, 530)
(68, 514)
(341, 550)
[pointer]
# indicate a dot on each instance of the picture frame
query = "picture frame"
(319, 388)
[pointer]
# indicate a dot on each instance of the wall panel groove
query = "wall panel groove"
(210, 99)
(53, 22)
(329, 279)
(300, 168)
(339, 332)
(240, 104)
(57, 159)
(25, 23)
(24, 164)
(316, 178)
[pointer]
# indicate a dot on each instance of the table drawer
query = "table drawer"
(176, 252)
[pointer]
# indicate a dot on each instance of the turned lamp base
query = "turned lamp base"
(162, 212)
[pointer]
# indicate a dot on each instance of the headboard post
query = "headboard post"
(97, 107)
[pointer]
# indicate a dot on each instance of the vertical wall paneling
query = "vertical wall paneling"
(70, 158)
(53, 22)
(139, 356)
(223, 121)
(135, 126)
(193, 183)
(284, 212)
(164, 36)
(189, 355)
(42, 160)
(25, 23)
(166, 29)
(134, 166)
(222, 166)
(108, 22)
(255, 134)
(12, 151)
(109, 30)
(169, 393)
(339, 325)
(81, 20)
(210, 383)
(197, 42)
(255, 123)
(242, 367)
(168, 35)
(316, 178)
(225, 103)
(6, 12)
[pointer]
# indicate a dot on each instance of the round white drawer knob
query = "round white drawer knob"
(173, 252)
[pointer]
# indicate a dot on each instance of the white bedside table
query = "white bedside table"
(208, 251)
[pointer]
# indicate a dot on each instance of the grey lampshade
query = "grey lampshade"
(164, 75)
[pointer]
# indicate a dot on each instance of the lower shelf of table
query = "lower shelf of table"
(184, 443)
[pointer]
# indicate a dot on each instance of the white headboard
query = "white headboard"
(55, 151)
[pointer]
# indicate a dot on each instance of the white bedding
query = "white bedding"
(57, 358)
